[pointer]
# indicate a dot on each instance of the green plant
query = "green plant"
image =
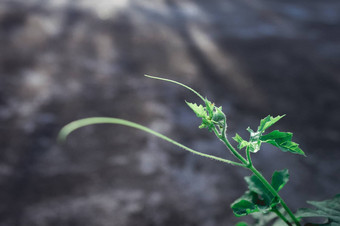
(262, 198)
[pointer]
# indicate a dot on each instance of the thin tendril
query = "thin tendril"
(66, 130)
(178, 83)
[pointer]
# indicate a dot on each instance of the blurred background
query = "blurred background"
(62, 60)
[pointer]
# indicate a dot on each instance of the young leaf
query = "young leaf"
(198, 110)
(209, 106)
(241, 143)
(268, 122)
(218, 115)
(280, 179)
(329, 209)
(282, 140)
(211, 115)
(254, 143)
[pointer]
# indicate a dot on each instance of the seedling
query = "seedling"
(262, 200)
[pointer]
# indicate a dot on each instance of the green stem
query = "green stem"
(232, 149)
(279, 214)
(248, 157)
(260, 177)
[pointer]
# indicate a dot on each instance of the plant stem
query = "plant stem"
(260, 177)
(279, 214)
(233, 151)
(248, 157)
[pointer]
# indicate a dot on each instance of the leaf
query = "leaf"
(282, 140)
(268, 122)
(258, 198)
(277, 136)
(280, 179)
(201, 112)
(211, 115)
(198, 109)
(218, 115)
(255, 140)
(329, 209)
(245, 205)
(209, 106)
(265, 198)
(241, 143)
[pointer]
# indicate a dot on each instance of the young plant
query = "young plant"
(262, 198)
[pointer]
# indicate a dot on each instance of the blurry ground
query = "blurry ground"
(65, 60)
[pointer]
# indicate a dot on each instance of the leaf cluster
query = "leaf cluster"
(258, 198)
(282, 140)
(212, 116)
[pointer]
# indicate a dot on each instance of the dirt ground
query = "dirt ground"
(65, 60)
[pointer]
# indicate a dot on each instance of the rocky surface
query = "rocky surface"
(65, 60)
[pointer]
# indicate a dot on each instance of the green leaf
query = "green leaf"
(329, 209)
(265, 199)
(241, 143)
(209, 106)
(282, 140)
(218, 115)
(255, 142)
(211, 115)
(277, 136)
(245, 205)
(268, 122)
(259, 198)
(201, 112)
(198, 110)
(280, 179)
